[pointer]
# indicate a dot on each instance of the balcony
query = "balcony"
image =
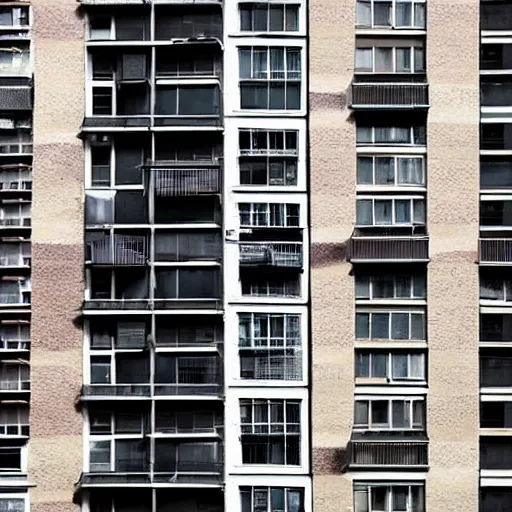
(388, 95)
(276, 255)
(15, 98)
(495, 15)
(117, 249)
(180, 180)
(107, 391)
(495, 251)
(390, 248)
(363, 454)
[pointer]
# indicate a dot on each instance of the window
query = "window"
(269, 214)
(122, 368)
(12, 504)
(270, 431)
(390, 60)
(127, 455)
(268, 157)
(391, 365)
(100, 166)
(270, 78)
(272, 286)
(390, 212)
(496, 414)
(391, 135)
(13, 17)
(382, 497)
(390, 414)
(99, 456)
(391, 14)
(270, 346)
(271, 499)
(190, 100)
(391, 170)
(495, 172)
(495, 327)
(390, 326)
(188, 246)
(186, 370)
(269, 17)
(188, 283)
(102, 101)
(391, 286)
(103, 422)
(496, 213)
(493, 287)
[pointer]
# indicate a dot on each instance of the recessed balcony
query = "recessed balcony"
(175, 179)
(117, 249)
(388, 95)
(275, 255)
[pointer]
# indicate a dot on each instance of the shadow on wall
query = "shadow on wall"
(330, 461)
(326, 254)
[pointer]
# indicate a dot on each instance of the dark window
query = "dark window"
(187, 101)
(131, 456)
(496, 414)
(187, 283)
(495, 172)
(273, 499)
(10, 459)
(132, 368)
(496, 213)
(131, 207)
(184, 210)
(100, 161)
(129, 160)
(132, 27)
(269, 17)
(102, 101)
(132, 99)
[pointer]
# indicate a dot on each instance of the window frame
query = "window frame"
(283, 211)
(416, 65)
(372, 282)
(390, 355)
(408, 402)
(282, 77)
(393, 25)
(396, 159)
(362, 495)
(268, 6)
(390, 314)
(413, 200)
(414, 135)
(253, 507)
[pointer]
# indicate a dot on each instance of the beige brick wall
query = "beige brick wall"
(55, 450)
(453, 184)
(332, 139)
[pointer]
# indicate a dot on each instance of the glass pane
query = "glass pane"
(419, 211)
(361, 413)
(363, 134)
(403, 211)
(417, 327)
(364, 212)
(400, 326)
(400, 495)
(362, 287)
(364, 170)
(292, 18)
(364, 13)
(362, 365)
(403, 60)
(403, 14)
(401, 414)
(379, 364)
(380, 409)
(364, 60)
(418, 411)
(383, 212)
(382, 14)
(399, 366)
(384, 171)
(362, 325)
(244, 63)
(380, 325)
(419, 60)
(410, 171)
(379, 499)
(383, 60)
(417, 366)
(383, 287)
(276, 23)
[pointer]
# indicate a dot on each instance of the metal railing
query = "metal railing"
(15, 221)
(270, 365)
(113, 390)
(382, 95)
(170, 182)
(25, 148)
(495, 250)
(118, 250)
(271, 254)
(14, 385)
(6, 344)
(380, 248)
(388, 453)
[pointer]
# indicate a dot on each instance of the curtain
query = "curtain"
(364, 58)
(410, 171)
(99, 207)
(417, 366)
(399, 366)
(293, 64)
(379, 364)
(384, 171)
(382, 14)
(403, 14)
(260, 63)
(361, 413)
(383, 287)
(419, 15)
(364, 13)
(277, 67)
(419, 211)
(244, 63)
(383, 212)
(401, 414)
(383, 60)
(362, 364)
(403, 211)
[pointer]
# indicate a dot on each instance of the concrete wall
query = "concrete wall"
(55, 452)
(332, 153)
(453, 185)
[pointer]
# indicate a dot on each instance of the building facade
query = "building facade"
(255, 255)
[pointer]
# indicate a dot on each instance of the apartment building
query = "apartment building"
(395, 113)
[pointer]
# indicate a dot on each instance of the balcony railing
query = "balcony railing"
(169, 182)
(388, 453)
(14, 345)
(14, 260)
(24, 222)
(145, 304)
(388, 95)
(24, 148)
(495, 250)
(271, 254)
(270, 364)
(115, 390)
(368, 248)
(118, 250)
(14, 385)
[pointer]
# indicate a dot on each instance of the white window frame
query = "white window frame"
(268, 281)
(389, 366)
(412, 201)
(390, 331)
(363, 496)
(254, 151)
(373, 142)
(409, 401)
(269, 4)
(371, 283)
(393, 24)
(396, 159)
(412, 60)
(17, 496)
(268, 223)
(506, 290)
(268, 490)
